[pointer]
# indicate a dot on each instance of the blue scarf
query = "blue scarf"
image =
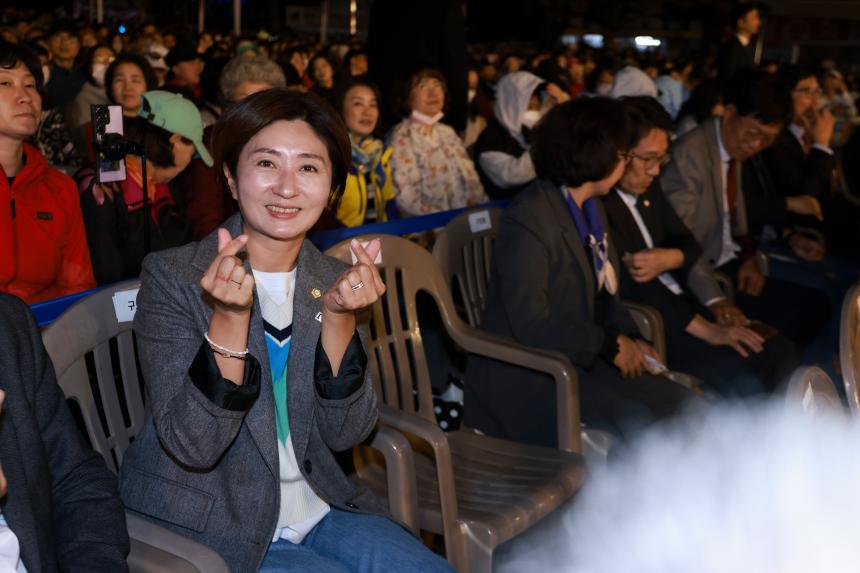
(594, 238)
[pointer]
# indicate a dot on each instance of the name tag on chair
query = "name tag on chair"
(480, 221)
(125, 305)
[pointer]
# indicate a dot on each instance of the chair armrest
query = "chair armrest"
(156, 548)
(400, 475)
(649, 318)
(725, 284)
(437, 440)
(549, 362)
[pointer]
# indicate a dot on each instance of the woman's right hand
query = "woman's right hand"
(229, 286)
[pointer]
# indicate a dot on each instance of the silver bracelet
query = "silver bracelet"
(225, 352)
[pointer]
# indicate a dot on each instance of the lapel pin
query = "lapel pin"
(646, 202)
(316, 293)
(319, 317)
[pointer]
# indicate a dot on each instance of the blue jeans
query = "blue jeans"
(352, 542)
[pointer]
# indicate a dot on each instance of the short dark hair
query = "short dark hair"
(349, 83)
(130, 58)
(755, 93)
(645, 113)
(244, 119)
(13, 54)
(744, 8)
(788, 77)
(412, 80)
(579, 141)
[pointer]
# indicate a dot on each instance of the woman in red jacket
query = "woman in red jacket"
(43, 245)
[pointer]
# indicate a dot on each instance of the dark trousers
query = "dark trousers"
(727, 373)
(800, 313)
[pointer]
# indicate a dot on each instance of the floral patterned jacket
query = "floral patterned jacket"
(432, 171)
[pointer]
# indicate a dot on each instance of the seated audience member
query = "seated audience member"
(322, 72)
(179, 190)
(475, 122)
(184, 75)
(670, 86)
(242, 77)
(660, 257)
(554, 285)
(355, 64)
(67, 78)
(53, 139)
(704, 185)
(800, 161)
(240, 416)
(93, 91)
(798, 168)
(126, 79)
(504, 162)
(840, 101)
(369, 193)
(156, 55)
(706, 101)
(43, 252)
(432, 171)
(61, 510)
(631, 81)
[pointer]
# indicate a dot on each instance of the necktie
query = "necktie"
(732, 186)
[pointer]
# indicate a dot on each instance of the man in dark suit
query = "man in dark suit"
(62, 509)
(704, 184)
(554, 285)
(736, 53)
(661, 256)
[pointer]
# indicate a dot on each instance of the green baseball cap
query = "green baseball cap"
(176, 114)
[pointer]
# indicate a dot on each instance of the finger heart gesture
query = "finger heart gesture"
(358, 287)
(230, 287)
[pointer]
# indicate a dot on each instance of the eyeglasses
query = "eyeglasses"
(809, 91)
(752, 134)
(652, 161)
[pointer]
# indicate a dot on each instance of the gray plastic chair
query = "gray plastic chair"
(475, 490)
(813, 389)
(110, 386)
(849, 347)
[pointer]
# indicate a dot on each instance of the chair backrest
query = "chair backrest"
(464, 252)
(397, 357)
(96, 364)
(813, 389)
(849, 347)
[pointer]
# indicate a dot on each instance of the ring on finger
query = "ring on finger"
(360, 285)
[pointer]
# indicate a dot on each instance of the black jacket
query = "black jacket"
(497, 138)
(733, 57)
(62, 501)
(542, 293)
(667, 232)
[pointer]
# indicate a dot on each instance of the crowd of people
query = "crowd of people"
(723, 193)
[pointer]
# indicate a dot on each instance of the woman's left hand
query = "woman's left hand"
(359, 286)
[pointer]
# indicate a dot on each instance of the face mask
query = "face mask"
(472, 94)
(46, 73)
(530, 118)
(604, 89)
(99, 73)
(427, 119)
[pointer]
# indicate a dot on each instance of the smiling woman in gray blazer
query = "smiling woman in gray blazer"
(254, 370)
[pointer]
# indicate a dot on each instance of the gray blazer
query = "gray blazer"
(693, 184)
(211, 473)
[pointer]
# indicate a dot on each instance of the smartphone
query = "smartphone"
(107, 120)
(766, 331)
(655, 364)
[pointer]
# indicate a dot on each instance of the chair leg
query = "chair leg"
(476, 548)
